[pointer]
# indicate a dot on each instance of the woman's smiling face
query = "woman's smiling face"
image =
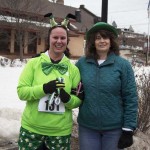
(58, 40)
(102, 44)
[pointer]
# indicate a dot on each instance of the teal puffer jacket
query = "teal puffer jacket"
(110, 94)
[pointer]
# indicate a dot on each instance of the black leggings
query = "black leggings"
(42, 147)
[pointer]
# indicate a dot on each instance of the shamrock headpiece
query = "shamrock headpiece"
(65, 22)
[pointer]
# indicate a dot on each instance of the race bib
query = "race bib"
(45, 106)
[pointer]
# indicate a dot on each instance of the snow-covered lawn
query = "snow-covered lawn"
(10, 105)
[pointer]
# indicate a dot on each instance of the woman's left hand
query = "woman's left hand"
(64, 96)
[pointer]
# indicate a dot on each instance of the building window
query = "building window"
(39, 41)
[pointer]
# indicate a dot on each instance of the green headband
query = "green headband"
(65, 22)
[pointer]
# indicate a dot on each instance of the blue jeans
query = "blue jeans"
(90, 139)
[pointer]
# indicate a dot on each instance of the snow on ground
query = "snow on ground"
(10, 105)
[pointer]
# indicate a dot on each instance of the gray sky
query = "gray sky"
(123, 12)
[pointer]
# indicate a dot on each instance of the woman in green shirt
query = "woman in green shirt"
(45, 84)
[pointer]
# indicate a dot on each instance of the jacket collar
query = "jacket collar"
(110, 60)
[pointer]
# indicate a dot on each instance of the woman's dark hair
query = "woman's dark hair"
(90, 50)
(67, 51)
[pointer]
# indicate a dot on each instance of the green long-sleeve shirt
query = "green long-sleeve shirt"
(30, 89)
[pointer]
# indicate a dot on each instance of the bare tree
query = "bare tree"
(143, 87)
(24, 16)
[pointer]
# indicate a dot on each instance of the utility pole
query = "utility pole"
(147, 52)
(104, 11)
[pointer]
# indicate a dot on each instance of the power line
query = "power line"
(127, 11)
(133, 24)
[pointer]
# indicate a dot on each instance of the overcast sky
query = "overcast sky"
(123, 12)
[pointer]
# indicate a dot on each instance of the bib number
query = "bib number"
(44, 106)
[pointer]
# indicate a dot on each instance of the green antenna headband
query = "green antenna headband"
(65, 22)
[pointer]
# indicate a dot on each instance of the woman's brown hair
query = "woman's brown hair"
(90, 50)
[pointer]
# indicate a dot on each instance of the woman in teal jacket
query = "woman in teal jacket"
(45, 84)
(108, 115)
